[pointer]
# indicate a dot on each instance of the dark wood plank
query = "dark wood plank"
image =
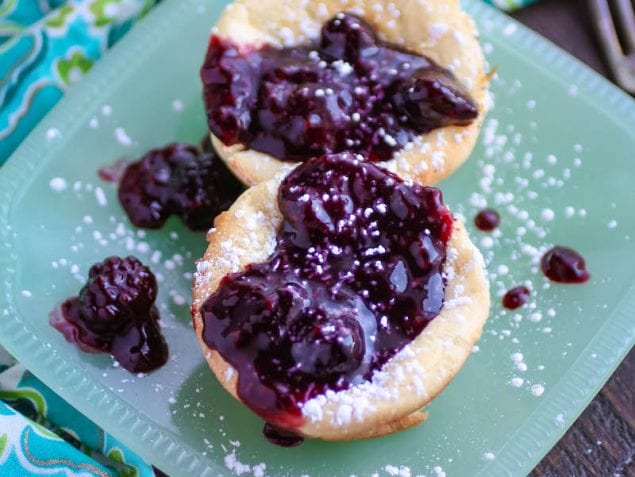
(567, 23)
(602, 440)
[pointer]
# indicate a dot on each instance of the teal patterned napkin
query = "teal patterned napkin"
(27, 448)
(41, 434)
(45, 47)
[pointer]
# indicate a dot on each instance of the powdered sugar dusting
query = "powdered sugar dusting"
(399, 471)
(122, 137)
(53, 133)
(537, 390)
(177, 105)
(58, 184)
(100, 196)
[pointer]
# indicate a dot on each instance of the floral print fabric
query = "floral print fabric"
(41, 434)
(45, 47)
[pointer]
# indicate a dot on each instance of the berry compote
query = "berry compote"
(564, 265)
(115, 313)
(516, 297)
(487, 220)
(348, 91)
(357, 273)
(177, 179)
(281, 437)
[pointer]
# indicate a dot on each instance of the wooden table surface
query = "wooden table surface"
(602, 440)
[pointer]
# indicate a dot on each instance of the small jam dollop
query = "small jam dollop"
(281, 437)
(487, 220)
(564, 265)
(349, 91)
(177, 179)
(516, 297)
(115, 313)
(357, 274)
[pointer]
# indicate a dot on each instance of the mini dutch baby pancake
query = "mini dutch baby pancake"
(336, 303)
(400, 82)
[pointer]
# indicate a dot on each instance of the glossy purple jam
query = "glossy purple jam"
(564, 265)
(178, 179)
(281, 437)
(115, 313)
(355, 276)
(516, 297)
(349, 91)
(487, 220)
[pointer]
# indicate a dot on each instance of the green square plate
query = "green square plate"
(555, 158)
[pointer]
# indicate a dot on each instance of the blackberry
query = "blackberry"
(117, 290)
(115, 313)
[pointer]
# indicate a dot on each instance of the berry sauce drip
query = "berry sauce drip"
(516, 297)
(115, 313)
(487, 220)
(355, 276)
(349, 91)
(564, 265)
(113, 172)
(177, 179)
(281, 437)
